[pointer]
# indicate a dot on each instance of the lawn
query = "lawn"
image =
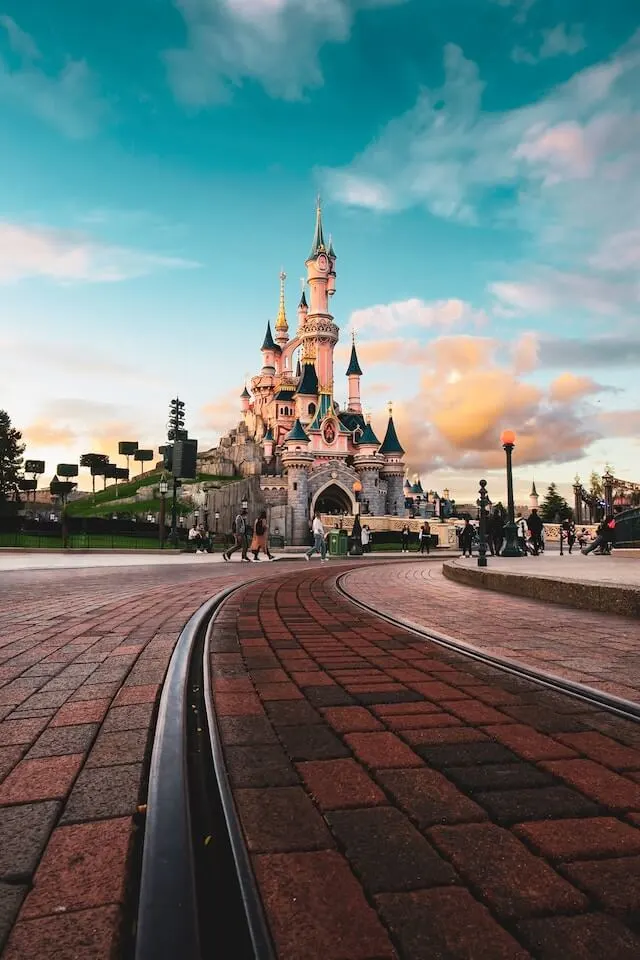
(107, 502)
(99, 541)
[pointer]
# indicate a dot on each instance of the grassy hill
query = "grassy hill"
(108, 501)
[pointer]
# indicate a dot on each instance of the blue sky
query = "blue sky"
(478, 164)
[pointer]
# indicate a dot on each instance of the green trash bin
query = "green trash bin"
(338, 543)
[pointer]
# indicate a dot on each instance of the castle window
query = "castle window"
(311, 409)
(295, 486)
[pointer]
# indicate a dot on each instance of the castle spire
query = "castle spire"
(282, 327)
(318, 245)
(391, 445)
(353, 370)
(268, 343)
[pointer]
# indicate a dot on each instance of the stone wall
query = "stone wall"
(236, 453)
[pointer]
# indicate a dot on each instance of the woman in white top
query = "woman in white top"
(319, 544)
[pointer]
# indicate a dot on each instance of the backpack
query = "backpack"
(259, 527)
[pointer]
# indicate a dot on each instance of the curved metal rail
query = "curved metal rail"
(197, 892)
(621, 707)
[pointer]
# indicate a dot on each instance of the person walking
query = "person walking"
(496, 532)
(605, 535)
(466, 539)
(571, 534)
(536, 526)
(319, 543)
(240, 530)
(521, 526)
(261, 537)
(425, 538)
(404, 538)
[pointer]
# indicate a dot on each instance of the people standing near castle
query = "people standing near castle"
(365, 537)
(571, 533)
(496, 532)
(319, 543)
(404, 537)
(240, 530)
(466, 538)
(194, 538)
(261, 537)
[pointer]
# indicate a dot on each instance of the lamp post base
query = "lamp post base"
(482, 561)
(511, 548)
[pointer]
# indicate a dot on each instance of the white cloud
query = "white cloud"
(555, 42)
(275, 42)
(550, 290)
(441, 314)
(67, 100)
(520, 8)
(66, 257)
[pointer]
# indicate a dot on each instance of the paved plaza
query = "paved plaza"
(398, 800)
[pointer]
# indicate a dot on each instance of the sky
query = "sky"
(478, 163)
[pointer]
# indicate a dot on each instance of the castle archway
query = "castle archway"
(333, 498)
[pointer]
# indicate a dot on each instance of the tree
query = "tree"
(555, 506)
(596, 489)
(11, 450)
(96, 463)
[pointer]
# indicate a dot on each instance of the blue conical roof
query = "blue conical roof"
(391, 444)
(268, 343)
(297, 433)
(354, 367)
(318, 245)
(308, 386)
(245, 395)
(368, 437)
(268, 435)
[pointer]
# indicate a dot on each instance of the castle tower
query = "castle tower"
(354, 373)
(533, 497)
(368, 463)
(282, 327)
(394, 469)
(303, 307)
(270, 351)
(308, 387)
(318, 324)
(245, 399)
(297, 461)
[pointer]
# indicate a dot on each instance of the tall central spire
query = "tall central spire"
(318, 245)
(282, 327)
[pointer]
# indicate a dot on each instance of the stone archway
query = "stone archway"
(333, 498)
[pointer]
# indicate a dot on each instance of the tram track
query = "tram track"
(197, 895)
(626, 709)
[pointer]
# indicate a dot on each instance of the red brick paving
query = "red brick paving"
(83, 654)
(482, 816)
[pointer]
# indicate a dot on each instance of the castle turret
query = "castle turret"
(245, 399)
(533, 497)
(307, 391)
(394, 469)
(368, 463)
(270, 351)
(331, 286)
(267, 442)
(282, 327)
(303, 308)
(354, 373)
(297, 462)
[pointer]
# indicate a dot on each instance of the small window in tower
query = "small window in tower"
(312, 409)
(376, 483)
(295, 486)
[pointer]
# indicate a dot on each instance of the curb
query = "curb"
(597, 597)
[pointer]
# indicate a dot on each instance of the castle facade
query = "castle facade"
(309, 454)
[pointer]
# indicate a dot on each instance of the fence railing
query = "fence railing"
(628, 529)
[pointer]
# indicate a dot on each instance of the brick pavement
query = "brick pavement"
(401, 801)
(83, 654)
(597, 649)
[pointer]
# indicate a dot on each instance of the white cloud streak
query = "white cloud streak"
(68, 257)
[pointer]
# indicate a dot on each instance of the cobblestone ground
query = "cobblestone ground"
(82, 657)
(598, 649)
(399, 800)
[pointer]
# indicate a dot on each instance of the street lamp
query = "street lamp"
(245, 504)
(511, 548)
(163, 490)
(357, 490)
(217, 519)
(482, 530)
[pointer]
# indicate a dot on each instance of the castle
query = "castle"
(309, 454)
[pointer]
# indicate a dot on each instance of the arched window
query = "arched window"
(311, 409)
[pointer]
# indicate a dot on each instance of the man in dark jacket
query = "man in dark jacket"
(536, 527)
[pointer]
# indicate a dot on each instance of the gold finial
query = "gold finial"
(368, 416)
(390, 407)
(318, 204)
(281, 319)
